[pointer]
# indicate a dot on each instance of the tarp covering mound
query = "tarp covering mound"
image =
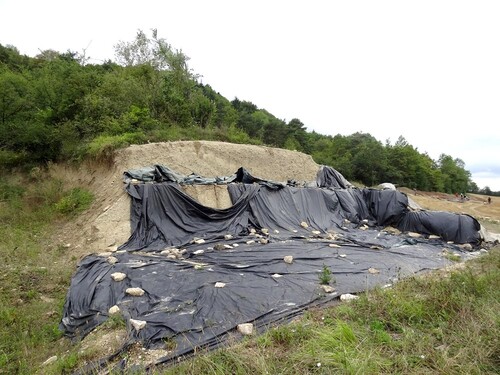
(191, 274)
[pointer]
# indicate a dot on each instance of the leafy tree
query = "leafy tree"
(15, 102)
(455, 177)
(297, 131)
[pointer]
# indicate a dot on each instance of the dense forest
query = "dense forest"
(57, 106)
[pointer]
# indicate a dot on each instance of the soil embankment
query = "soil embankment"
(107, 222)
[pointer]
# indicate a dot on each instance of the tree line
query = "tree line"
(58, 106)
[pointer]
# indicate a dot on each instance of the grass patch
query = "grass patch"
(74, 201)
(33, 278)
(442, 323)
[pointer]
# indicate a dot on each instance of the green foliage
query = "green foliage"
(103, 146)
(33, 280)
(58, 107)
(10, 159)
(115, 321)
(325, 276)
(74, 201)
(287, 336)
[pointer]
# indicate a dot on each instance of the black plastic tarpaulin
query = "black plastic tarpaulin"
(229, 264)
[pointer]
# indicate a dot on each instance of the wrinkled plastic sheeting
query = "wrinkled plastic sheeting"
(449, 226)
(163, 215)
(329, 177)
(161, 173)
(243, 251)
(182, 304)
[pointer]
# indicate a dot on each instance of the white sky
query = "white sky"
(426, 70)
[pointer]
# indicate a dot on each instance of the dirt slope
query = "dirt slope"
(106, 224)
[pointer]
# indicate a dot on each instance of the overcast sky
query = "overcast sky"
(426, 70)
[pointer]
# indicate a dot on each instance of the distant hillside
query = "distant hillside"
(57, 107)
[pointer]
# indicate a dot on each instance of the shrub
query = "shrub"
(104, 146)
(74, 201)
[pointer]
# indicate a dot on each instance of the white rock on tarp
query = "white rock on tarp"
(138, 324)
(235, 245)
(50, 360)
(373, 271)
(220, 285)
(414, 235)
(136, 292)
(199, 241)
(227, 247)
(333, 245)
(303, 224)
(112, 260)
(228, 237)
(316, 232)
(276, 231)
(118, 276)
(288, 259)
(198, 252)
(342, 255)
(433, 237)
(250, 242)
(114, 310)
(245, 329)
(276, 275)
(264, 240)
(328, 288)
(348, 297)
(466, 246)
(252, 231)
(265, 230)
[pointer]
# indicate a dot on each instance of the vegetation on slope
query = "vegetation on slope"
(56, 106)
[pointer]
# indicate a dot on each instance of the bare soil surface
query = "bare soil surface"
(106, 224)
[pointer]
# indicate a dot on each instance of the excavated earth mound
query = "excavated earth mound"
(107, 223)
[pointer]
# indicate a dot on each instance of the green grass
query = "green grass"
(33, 278)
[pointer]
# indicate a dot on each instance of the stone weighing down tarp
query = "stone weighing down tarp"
(228, 266)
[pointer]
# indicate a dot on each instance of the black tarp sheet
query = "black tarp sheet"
(341, 229)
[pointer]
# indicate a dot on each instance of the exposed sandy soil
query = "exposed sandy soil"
(106, 224)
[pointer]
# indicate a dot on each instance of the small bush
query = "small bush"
(10, 159)
(325, 276)
(74, 201)
(104, 146)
